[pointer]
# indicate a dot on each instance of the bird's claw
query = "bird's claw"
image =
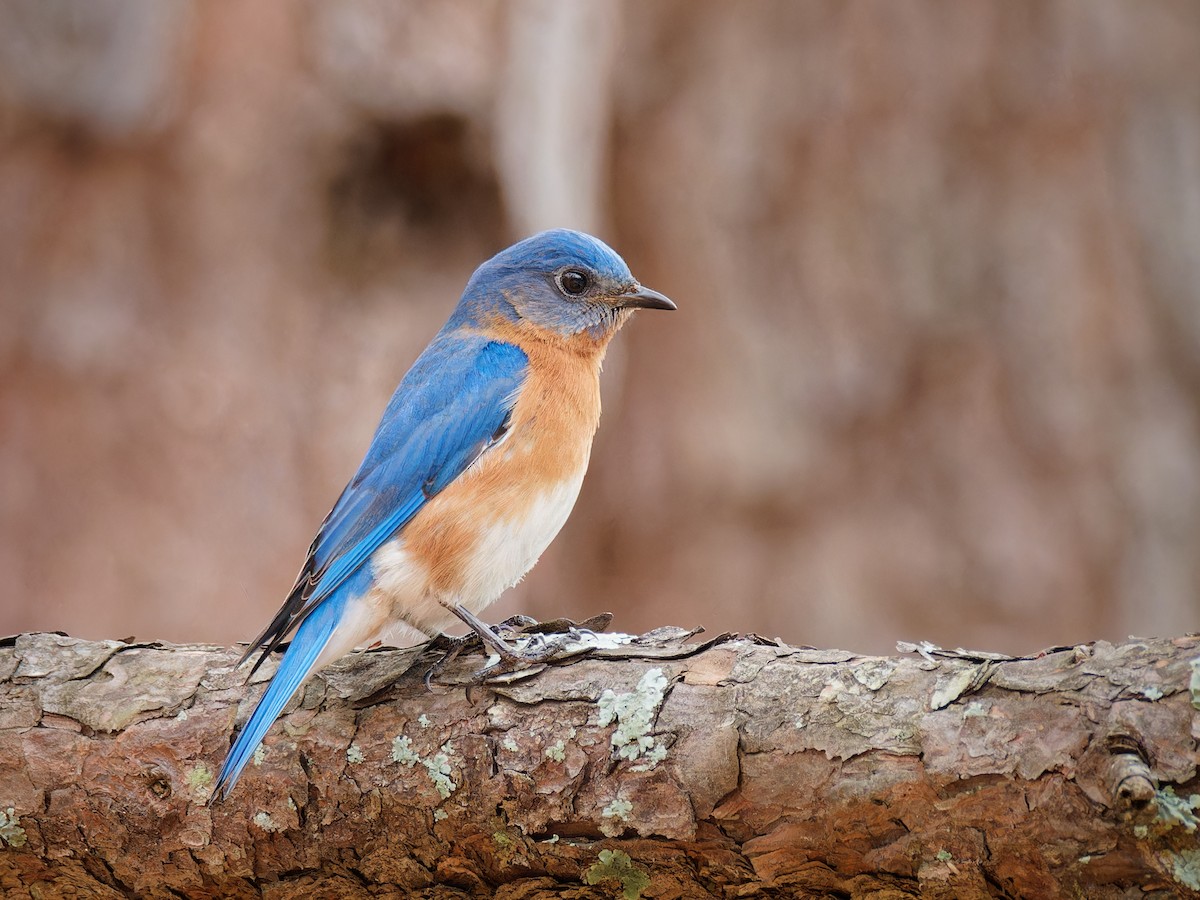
(545, 641)
(451, 647)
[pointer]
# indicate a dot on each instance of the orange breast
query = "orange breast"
(486, 529)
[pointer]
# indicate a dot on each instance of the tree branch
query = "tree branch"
(660, 768)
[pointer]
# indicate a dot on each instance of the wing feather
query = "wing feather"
(452, 405)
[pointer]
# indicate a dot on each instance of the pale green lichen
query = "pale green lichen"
(634, 713)
(1153, 692)
(557, 751)
(1175, 810)
(438, 767)
(501, 840)
(11, 832)
(617, 865)
(1140, 832)
(1185, 865)
(1084, 860)
(264, 821)
(618, 811)
(944, 856)
(423, 720)
(402, 751)
(354, 754)
(656, 755)
(440, 815)
(1194, 684)
(199, 779)
(260, 753)
(509, 744)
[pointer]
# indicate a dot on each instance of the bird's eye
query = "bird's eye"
(573, 282)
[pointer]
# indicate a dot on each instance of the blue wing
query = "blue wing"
(311, 639)
(451, 406)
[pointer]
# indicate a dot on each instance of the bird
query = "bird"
(474, 467)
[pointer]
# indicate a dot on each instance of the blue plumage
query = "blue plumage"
(449, 407)
(560, 295)
(520, 283)
(441, 417)
(311, 638)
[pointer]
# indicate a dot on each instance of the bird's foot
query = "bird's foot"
(542, 642)
(451, 647)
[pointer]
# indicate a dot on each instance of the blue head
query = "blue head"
(563, 281)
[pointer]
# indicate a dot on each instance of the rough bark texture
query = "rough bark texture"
(662, 768)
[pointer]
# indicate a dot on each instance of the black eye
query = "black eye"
(573, 282)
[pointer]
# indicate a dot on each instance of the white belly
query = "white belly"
(505, 551)
(509, 548)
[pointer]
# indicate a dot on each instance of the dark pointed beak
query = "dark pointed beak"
(644, 298)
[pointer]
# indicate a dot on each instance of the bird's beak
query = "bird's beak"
(643, 298)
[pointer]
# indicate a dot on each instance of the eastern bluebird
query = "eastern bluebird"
(473, 469)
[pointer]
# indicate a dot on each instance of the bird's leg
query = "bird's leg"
(565, 629)
(481, 636)
(550, 638)
(491, 640)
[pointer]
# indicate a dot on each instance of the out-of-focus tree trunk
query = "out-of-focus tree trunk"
(939, 339)
(661, 768)
(938, 333)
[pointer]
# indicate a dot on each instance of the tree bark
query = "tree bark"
(664, 767)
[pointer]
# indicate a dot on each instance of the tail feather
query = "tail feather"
(298, 662)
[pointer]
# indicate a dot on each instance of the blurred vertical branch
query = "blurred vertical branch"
(554, 113)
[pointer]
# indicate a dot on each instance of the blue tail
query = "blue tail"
(310, 639)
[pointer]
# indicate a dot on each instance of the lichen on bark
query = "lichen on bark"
(757, 769)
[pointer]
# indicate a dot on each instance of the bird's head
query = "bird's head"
(563, 281)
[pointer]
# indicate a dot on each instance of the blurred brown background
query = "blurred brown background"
(935, 373)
